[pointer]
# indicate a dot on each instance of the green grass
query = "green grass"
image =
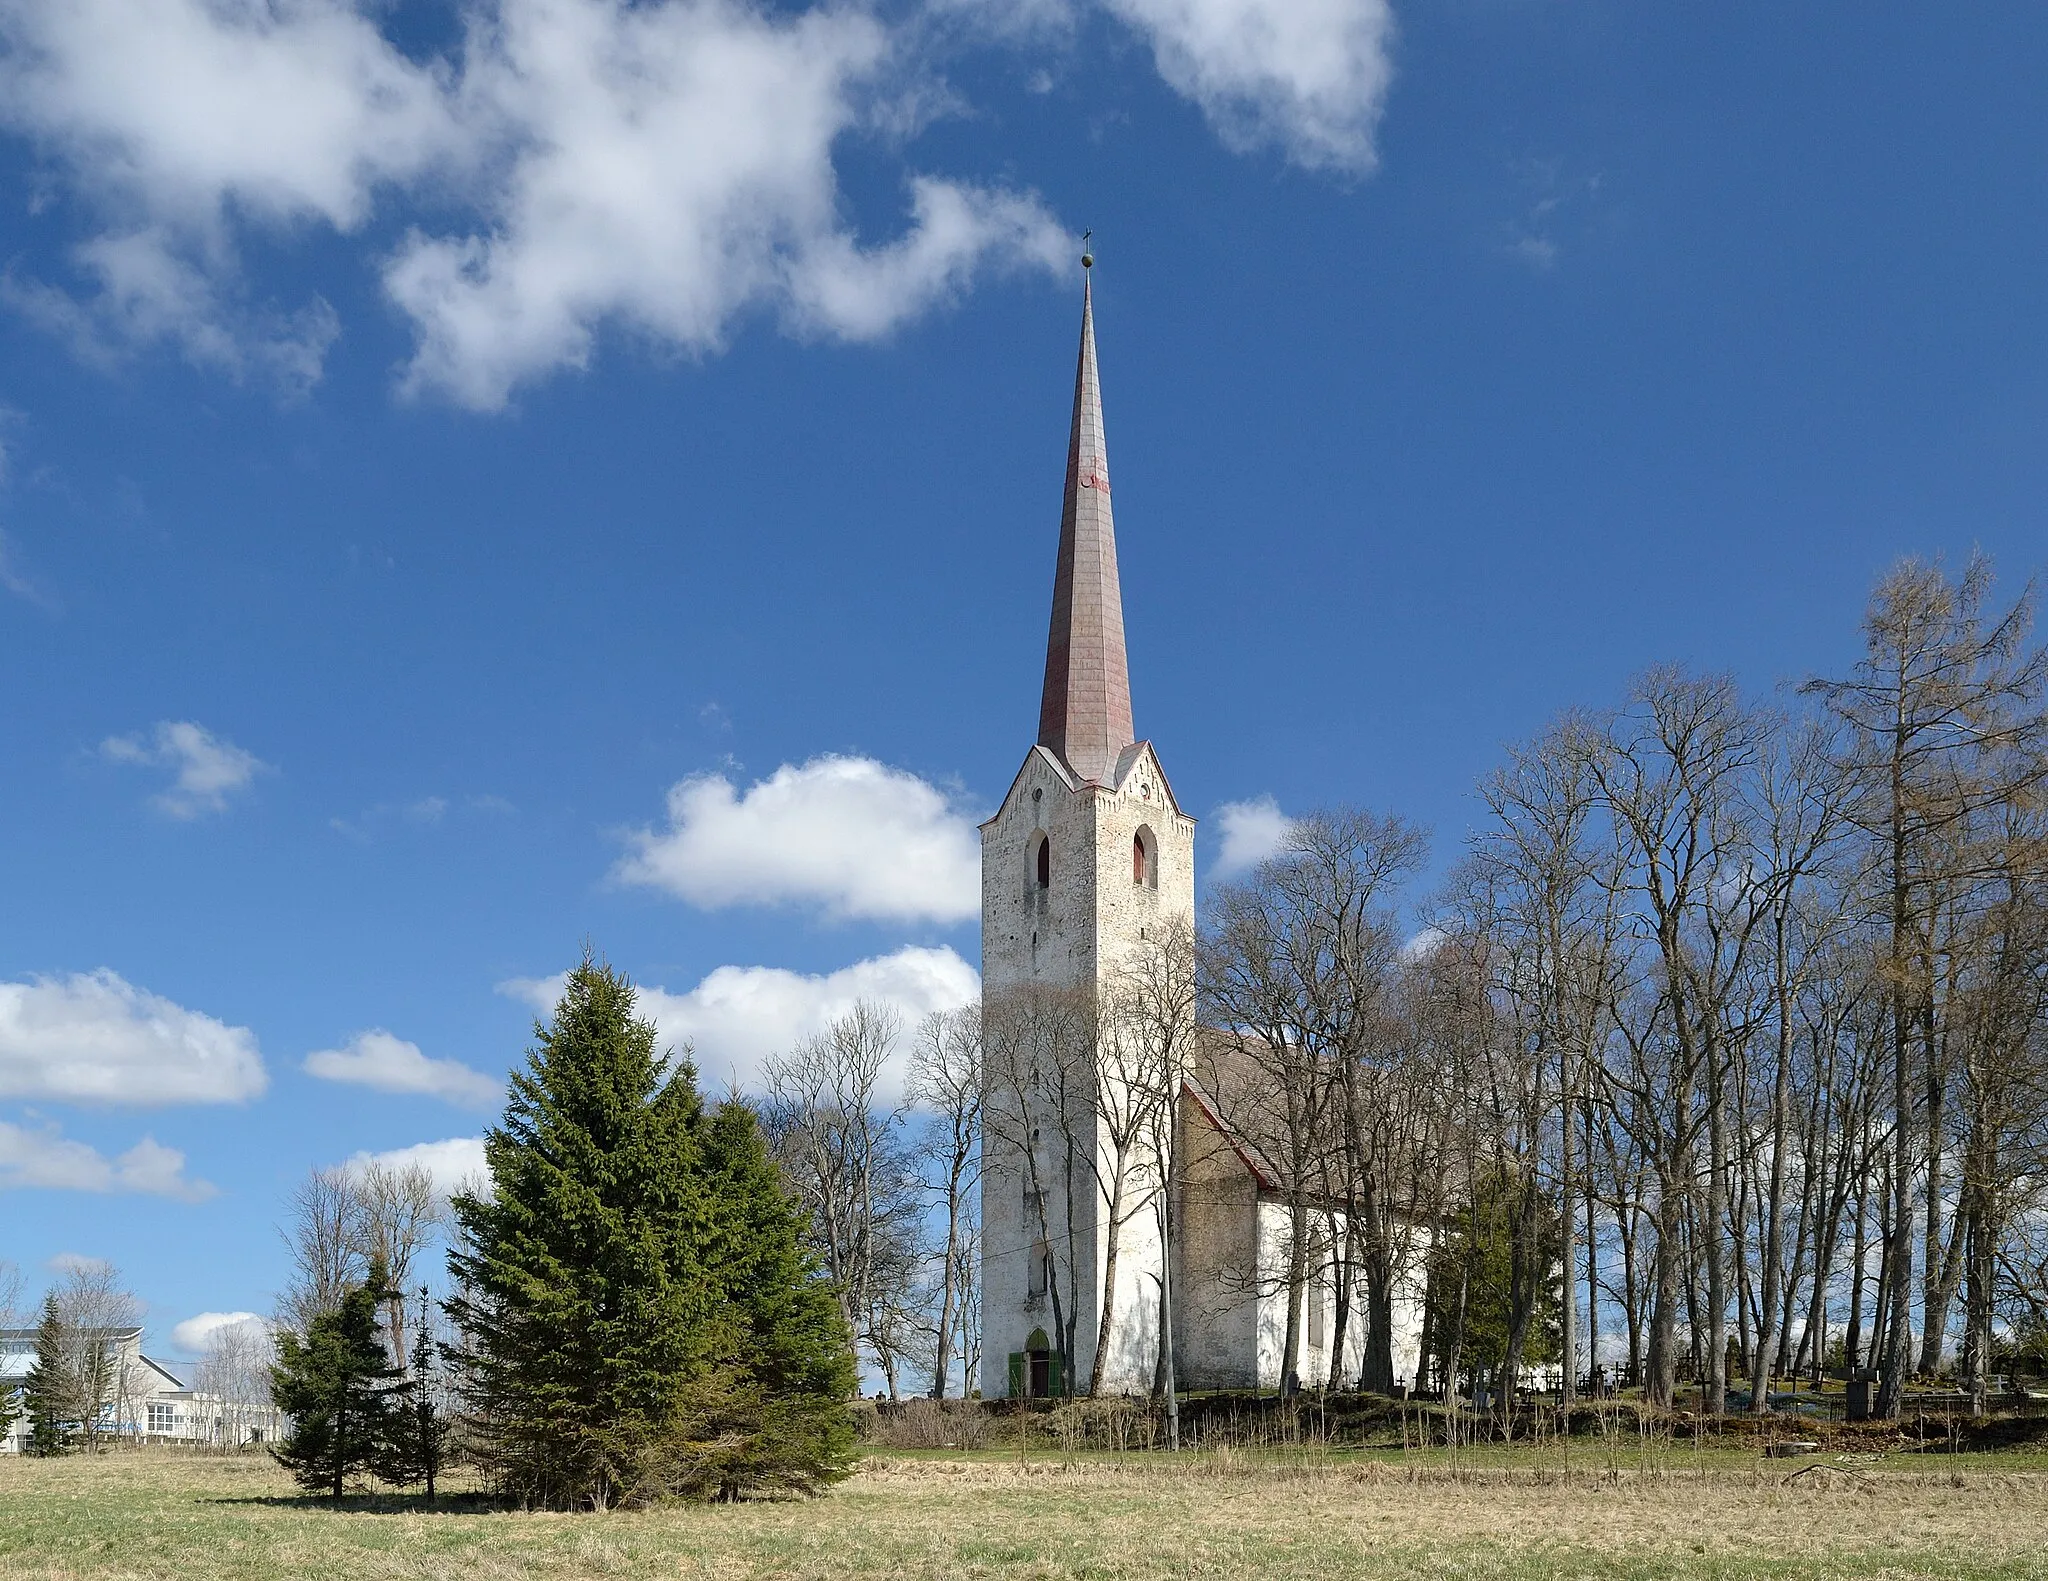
(919, 1517)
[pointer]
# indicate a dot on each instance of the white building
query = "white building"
(149, 1403)
(1088, 869)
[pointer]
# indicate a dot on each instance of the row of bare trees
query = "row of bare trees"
(1731, 1026)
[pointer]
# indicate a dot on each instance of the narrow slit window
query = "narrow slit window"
(1045, 864)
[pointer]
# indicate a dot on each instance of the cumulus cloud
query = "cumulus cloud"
(194, 1334)
(576, 167)
(207, 770)
(1251, 832)
(1307, 76)
(666, 167)
(177, 117)
(93, 1037)
(739, 1015)
(390, 1064)
(45, 1157)
(850, 834)
(454, 1162)
(659, 168)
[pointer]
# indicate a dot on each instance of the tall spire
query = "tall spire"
(1085, 716)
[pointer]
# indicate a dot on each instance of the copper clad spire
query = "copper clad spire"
(1086, 713)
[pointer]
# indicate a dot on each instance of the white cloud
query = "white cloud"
(208, 769)
(147, 292)
(855, 836)
(662, 168)
(194, 1334)
(390, 1064)
(1252, 831)
(78, 1263)
(178, 118)
(666, 167)
(48, 1159)
(1423, 943)
(1309, 76)
(739, 1015)
(457, 1161)
(570, 168)
(94, 1038)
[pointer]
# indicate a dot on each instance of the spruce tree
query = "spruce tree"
(338, 1386)
(639, 1318)
(771, 1411)
(50, 1391)
(580, 1289)
(420, 1431)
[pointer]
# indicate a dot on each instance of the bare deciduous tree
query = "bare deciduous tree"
(841, 1147)
(234, 1369)
(1945, 726)
(96, 1309)
(393, 1215)
(344, 1220)
(326, 1252)
(946, 1080)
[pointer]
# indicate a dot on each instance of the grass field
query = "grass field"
(913, 1517)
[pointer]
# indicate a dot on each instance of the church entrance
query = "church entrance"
(1035, 1371)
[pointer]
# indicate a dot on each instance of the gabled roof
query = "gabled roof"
(163, 1372)
(1256, 1164)
(1127, 761)
(1051, 759)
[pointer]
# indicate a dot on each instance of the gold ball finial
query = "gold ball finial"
(1087, 260)
(1087, 252)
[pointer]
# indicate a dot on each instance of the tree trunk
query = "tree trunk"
(1662, 1365)
(1112, 1245)
(1297, 1280)
(1716, 1377)
(949, 1292)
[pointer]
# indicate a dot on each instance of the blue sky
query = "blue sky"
(481, 479)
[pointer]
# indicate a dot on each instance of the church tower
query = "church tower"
(1088, 858)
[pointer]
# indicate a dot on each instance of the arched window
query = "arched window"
(1044, 864)
(1144, 859)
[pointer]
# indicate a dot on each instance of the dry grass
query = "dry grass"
(914, 1518)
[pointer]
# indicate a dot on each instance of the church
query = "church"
(1113, 1227)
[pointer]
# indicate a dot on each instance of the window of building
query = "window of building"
(1041, 1269)
(1317, 1318)
(1144, 859)
(1044, 863)
(162, 1417)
